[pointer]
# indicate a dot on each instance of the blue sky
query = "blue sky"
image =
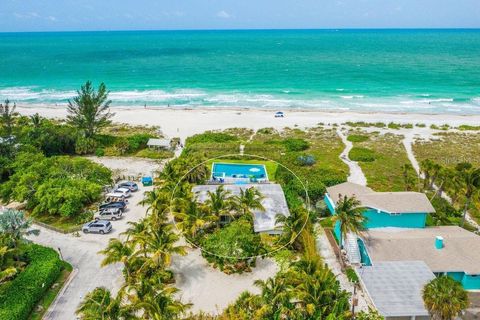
(56, 15)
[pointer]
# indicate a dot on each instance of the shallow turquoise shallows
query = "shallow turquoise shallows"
(233, 170)
(429, 71)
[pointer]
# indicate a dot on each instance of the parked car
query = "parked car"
(120, 192)
(122, 205)
(109, 214)
(97, 226)
(132, 186)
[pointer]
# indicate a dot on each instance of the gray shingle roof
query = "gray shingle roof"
(396, 287)
(391, 202)
(460, 253)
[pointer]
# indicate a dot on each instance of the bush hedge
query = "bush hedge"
(361, 154)
(357, 138)
(18, 297)
(295, 144)
(210, 137)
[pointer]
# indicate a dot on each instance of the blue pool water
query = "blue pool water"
(237, 170)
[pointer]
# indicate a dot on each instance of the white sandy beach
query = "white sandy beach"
(186, 122)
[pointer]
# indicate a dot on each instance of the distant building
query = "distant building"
(159, 143)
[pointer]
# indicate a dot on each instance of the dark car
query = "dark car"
(132, 186)
(122, 205)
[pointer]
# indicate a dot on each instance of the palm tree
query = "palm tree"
(7, 117)
(101, 305)
(407, 171)
(249, 199)
(427, 168)
(160, 304)
(292, 225)
(159, 243)
(14, 224)
(89, 110)
(444, 298)
(471, 187)
(220, 202)
(349, 214)
(193, 217)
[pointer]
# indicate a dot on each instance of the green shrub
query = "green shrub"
(138, 141)
(100, 152)
(306, 160)
(85, 145)
(361, 154)
(468, 127)
(232, 246)
(18, 297)
(357, 138)
(296, 144)
(393, 125)
(210, 136)
(155, 154)
(421, 125)
(365, 124)
(266, 131)
(122, 146)
(111, 152)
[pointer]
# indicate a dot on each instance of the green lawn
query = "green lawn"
(271, 166)
(43, 305)
(64, 224)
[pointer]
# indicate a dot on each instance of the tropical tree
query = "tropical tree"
(444, 298)
(248, 200)
(471, 187)
(160, 304)
(349, 214)
(14, 224)
(408, 176)
(101, 305)
(220, 202)
(89, 110)
(292, 225)
(193, 217)
(7, 118)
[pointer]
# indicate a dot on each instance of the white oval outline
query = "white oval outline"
(237, 258)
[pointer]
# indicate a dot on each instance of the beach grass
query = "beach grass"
(450, 148)
(384, 173)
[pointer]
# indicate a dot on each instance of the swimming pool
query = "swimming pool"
(239, 171)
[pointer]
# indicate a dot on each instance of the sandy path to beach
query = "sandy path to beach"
(356, 174)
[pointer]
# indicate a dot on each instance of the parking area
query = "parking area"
(81, 251)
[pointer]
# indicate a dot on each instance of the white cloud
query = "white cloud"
(52, 18)
(223, 14)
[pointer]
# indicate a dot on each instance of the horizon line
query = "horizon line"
(249, 29)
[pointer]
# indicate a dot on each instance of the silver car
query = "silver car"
(109, 214)
(97, 226)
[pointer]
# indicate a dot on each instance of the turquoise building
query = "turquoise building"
(382, 209)
(446, 250)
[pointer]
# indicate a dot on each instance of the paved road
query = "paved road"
(82, 253)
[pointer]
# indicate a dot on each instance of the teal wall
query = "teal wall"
(376, 219)
(365, 258)
(469, 282)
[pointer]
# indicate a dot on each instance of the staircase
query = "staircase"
(351, 247)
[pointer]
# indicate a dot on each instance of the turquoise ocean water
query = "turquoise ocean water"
(427, 71)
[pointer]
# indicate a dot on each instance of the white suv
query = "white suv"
(109, 214)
